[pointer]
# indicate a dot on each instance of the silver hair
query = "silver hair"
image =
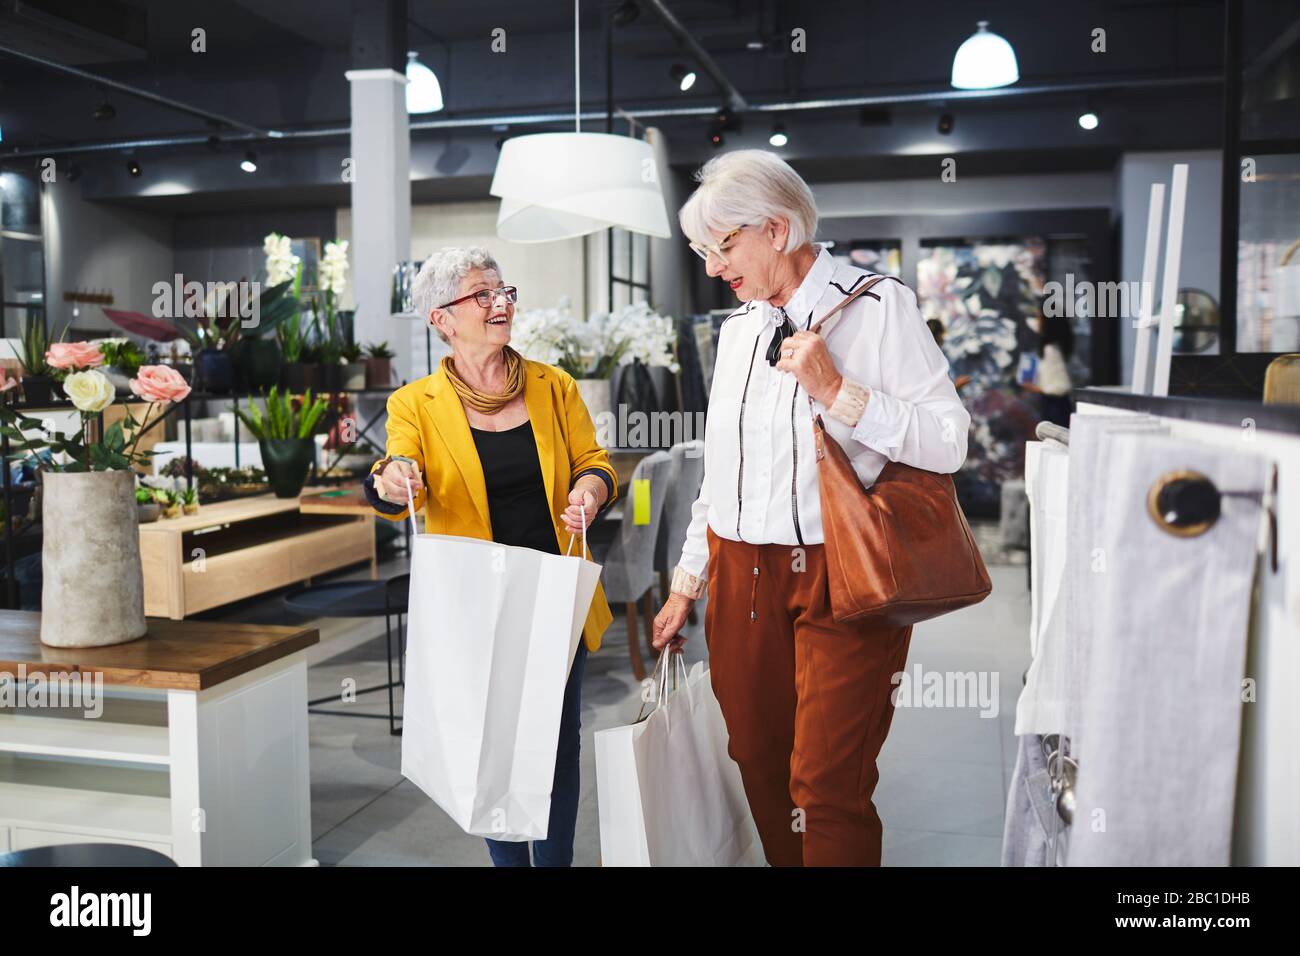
(749, 187)
(439, 279)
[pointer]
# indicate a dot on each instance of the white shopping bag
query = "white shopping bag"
(669, 793)
(492, 633)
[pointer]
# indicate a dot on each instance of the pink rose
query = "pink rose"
(74, 355)
(160, 383)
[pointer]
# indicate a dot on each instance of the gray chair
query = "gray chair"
(683, 488)
(629, 565)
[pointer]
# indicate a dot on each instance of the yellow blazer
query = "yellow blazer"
(426, 422)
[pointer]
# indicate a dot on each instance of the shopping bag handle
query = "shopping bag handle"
(585, 552)
(660, 676)
(410, 510)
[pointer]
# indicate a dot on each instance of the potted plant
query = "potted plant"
(189, 500)
(331, 341)
(169, 501)
(379, 365)
(122, 359)
(257, 351)
(298, 373)
(38, 382)
(354, 368)
(146, 506)
(211, 341)
(284, 433)
(93, 586)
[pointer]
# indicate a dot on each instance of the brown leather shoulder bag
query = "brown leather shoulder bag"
(900, 551)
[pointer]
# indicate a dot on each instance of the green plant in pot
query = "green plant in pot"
(146, 505)
(258, 351)
(284, 432)
(379, 365)
(211, 342)
(38, 380)
(354, 368)
(122, 359)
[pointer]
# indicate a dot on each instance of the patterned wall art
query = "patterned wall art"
(983, 291)
(883, 257)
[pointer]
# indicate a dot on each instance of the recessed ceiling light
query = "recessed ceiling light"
(1089, 121)
(133, 167)
(249, 163)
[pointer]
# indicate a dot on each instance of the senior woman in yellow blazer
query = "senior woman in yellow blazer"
(497, 447)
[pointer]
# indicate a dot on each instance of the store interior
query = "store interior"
(318, 151)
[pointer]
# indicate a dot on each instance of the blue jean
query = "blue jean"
(557, 848)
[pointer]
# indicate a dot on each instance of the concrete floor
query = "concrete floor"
(944, 771)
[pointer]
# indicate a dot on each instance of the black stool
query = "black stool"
(360, 599)
(86, 854)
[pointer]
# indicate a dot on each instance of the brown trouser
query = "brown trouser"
(806, 701)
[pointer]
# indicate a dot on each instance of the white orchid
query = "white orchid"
(594, 347)
(281, 263)
(333, 269)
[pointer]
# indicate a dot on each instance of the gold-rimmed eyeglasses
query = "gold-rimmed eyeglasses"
(704, 250)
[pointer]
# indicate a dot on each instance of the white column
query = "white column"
(381, 204)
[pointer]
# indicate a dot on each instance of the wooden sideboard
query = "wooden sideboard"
(237, 549)
(193, 741)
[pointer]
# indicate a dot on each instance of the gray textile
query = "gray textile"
(629, 566)
(1164, 652)
(1013, 525)
(683, 488)
(1032, 823)
(1089, 435)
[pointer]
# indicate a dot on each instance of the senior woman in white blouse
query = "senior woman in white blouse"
(806, 701)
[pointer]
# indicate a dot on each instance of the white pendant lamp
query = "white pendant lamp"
(423, 91)
(984, 62)
(563, 185)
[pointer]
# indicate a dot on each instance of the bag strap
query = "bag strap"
(865, 287)
(816, 328)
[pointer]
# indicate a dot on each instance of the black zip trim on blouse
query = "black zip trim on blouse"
(794, 471)
(740, 469)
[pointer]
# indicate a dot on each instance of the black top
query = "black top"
(517, 503)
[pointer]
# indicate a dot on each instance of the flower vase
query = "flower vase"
(92, 591)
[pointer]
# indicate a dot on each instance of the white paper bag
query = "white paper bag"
(491, 636)
(669, 793)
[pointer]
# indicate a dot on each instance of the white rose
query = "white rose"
(90, 391)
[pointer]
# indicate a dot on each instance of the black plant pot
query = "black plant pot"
(257, 364)
(297, 377)
(286, 462)
(329, 377)
(214, 370)
(38, 389)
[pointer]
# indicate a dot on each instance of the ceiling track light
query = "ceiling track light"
(682, 76)
(626, 13)
(249, 163)
(104, 112)
(946, 123)
(778, 137)
(1089, 120)
(133, 168)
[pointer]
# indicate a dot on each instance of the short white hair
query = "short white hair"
(439, 279)
(748, 187)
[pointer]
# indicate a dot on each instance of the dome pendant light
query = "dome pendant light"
(564, 185)
(984, 62)
(423, 91)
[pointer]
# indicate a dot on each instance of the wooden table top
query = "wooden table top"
(182, 655)
(338, 501)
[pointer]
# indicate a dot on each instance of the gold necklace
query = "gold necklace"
(486, 402)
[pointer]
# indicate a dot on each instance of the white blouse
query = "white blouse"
(760, 469)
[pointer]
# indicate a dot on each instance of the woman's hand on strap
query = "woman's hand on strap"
(585, 499)
(391, 481)
(807, 358)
